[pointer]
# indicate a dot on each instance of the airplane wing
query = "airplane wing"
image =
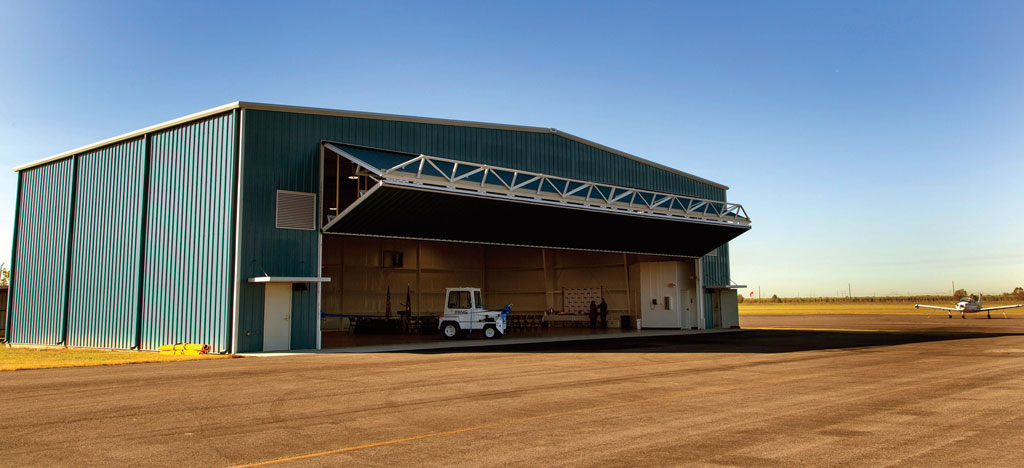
(934, 307)
(984, 309)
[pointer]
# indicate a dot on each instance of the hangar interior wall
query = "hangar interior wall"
(683, 292)
(96, 238)
(530, 278)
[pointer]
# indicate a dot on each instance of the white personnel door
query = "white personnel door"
(688, 309)
(277, 316)
(660, 301)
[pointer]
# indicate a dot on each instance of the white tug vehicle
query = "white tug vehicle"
(464, 313)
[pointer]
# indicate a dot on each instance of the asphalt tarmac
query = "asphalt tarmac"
(906, 391)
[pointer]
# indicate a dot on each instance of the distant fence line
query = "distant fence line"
(841, 300)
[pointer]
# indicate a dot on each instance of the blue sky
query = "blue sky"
(873, 143)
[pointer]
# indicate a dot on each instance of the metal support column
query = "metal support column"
(69, 251)
(147, 151)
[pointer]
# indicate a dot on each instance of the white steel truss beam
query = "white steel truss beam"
(432, 171)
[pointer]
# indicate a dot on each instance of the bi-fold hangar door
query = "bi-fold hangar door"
(389, 194)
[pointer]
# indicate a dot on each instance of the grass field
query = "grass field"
(29, 358)
(860, 308)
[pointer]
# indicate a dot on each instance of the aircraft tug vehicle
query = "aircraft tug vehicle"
(464, 313)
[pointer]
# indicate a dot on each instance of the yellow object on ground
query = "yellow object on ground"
(18, 358)
(185, 349)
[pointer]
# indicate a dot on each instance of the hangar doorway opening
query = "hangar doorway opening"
(390, 291)
(398, 229)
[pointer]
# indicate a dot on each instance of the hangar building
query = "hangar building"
(255, 227)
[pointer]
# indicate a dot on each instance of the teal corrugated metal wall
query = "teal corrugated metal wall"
(280, 153)
(37, 307)
(715, 272)
(188, 235)
(105, 252)
(304, 324)
(547, 153)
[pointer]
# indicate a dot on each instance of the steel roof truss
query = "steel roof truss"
(511, 183)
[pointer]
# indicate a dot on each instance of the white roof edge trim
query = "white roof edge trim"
(289, 279)
(129, 135)
(365, 115)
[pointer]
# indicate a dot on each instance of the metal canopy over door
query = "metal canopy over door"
(277, 311)
(438, 199)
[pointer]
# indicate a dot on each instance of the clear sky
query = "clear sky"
(878, 144)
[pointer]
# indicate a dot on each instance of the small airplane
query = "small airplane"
(969, 305)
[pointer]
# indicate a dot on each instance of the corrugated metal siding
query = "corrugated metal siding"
(304, 324)
(539, 152)
(715, 272)
(188, 235)
(41, 260)
(105, 254)
(282, 152)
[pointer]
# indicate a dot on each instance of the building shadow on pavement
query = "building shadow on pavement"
(746, 341)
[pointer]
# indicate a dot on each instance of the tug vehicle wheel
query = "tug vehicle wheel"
(491, 332)
(450, 330)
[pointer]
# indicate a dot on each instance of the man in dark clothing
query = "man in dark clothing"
(603, 309)
(593, 314)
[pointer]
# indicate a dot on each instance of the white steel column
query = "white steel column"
(320, 252)
(701, 324)
(238, 232)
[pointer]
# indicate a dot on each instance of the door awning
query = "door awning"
(289, 279)
(431, 198)
(723, 287)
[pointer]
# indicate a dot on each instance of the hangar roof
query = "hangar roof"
(356, 114)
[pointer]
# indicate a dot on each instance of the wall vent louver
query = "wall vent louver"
(296, 210)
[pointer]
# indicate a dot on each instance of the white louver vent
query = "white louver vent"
(296, 210)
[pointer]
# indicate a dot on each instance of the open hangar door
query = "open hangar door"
(398, 229)
(367, 275)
